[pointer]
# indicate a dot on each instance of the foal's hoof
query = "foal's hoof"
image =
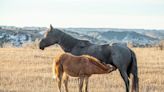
(53, 77)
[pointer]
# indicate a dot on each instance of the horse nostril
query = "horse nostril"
(41, 48)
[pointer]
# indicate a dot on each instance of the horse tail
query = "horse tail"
(134, 71)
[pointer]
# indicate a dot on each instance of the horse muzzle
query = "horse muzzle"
(41, 48)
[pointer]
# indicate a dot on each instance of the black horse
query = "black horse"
(119, 56)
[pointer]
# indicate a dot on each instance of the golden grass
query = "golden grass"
(29, 70)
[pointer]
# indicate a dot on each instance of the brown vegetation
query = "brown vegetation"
(161, 45)
(29, 70)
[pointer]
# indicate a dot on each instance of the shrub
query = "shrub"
(161, 45)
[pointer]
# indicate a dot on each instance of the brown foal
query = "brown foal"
(83, 66)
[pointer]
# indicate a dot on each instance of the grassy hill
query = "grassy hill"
(29, 70)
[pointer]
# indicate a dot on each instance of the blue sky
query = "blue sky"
(148, 14)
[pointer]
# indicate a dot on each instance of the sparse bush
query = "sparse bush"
(7, 45)
(161, 45)
(130, 45)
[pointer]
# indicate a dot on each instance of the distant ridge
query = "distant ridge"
(18, 36)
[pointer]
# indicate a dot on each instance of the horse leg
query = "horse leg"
(125, 78)
(81, 84)
(86, 84)
(65, 81)
(132, 88)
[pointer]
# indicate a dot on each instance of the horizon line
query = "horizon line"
(87, 27)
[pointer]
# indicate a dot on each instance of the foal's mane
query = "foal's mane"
(58, 56)
(91, 58)
(96, 62)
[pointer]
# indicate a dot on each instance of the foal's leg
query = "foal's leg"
(59, 84)
(65, 81)
(59, 79)
(81, 84)
(86, 84)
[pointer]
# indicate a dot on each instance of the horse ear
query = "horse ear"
(51, 27)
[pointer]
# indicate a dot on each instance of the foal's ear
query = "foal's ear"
(51, 27)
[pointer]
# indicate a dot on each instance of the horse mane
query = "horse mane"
(96, 62)
(63, 32)
(67, 36)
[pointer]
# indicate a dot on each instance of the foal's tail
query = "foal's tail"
(57, 69)
(134, 70)
(56, 65)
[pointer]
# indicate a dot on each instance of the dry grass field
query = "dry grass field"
(29, 70)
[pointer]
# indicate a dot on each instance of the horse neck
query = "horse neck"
(67, 42)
